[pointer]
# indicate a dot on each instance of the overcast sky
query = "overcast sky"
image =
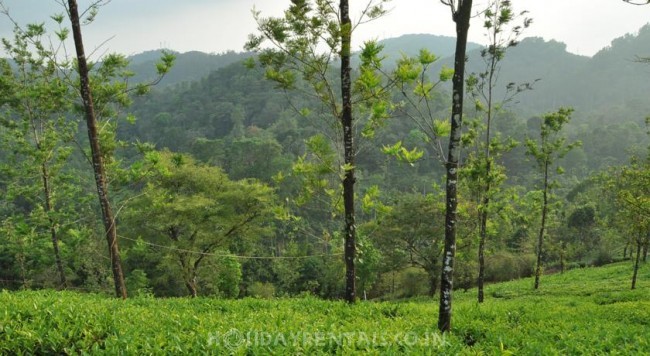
(215, 26)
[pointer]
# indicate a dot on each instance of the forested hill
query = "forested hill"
(608, 92)
(192, 66)
(189, 66)
(220, 183)
(613, 79)
(441, 46)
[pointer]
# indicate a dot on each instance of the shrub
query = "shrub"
(465, 273)
(413, 282)
(261, 290)
(602, 258)
(137, 284)
(406, 283)
(505, 266)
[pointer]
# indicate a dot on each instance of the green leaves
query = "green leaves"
(407, 70)
(370, 201)
(580, 303)
(316, 169)
(377, 10)
(369, 81)
(402, 153)
(191, 207)
(166, 62)
(551, 144)
(422, 89)
(371, 54)
(426, 57)
(441, 128)
(285, 79)
(446, 74)
(63, 34)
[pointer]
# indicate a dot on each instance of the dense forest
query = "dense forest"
(225, 171)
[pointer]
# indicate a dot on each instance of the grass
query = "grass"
(584, 311)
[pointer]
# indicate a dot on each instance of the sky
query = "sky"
(216, 26)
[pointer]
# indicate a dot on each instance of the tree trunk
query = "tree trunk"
(636, 262)
(433, 282)
(481, 249)
(540, 238)
(192, 287)
(348, 146)
(488, 175)
(461, 17)
(53, 233)
(98, 164)
(645, 247)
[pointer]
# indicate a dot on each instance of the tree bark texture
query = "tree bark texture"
(192, 287)
(636, 263)
(97, 162)
(348, 147)
(481, 250)
(488, 179)
(433, 282)
(540, 237)
(53, 233)
(461, 17)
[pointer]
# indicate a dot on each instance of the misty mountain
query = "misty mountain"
(608, 92)
(410, 45)
(611, 78)
(192, 66)
(189, 66)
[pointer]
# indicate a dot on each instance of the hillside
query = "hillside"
(610, 79)
(177, 116)
(194, 65)
(189, 66)
(584, 311)
(410, 45)
(613, 78)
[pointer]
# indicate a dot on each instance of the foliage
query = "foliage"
(36, 136)
(546, 151)
(201, 216)
(234, 120)
(305, 42)
(585, 311)
(482, 169)
(410, 234)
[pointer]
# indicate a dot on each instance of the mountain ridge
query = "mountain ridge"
(610, 78)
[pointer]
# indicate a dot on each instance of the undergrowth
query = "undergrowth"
(583, 311)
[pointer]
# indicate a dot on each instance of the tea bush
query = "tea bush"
(583, 311)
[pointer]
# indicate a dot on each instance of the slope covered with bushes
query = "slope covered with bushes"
(583, 311)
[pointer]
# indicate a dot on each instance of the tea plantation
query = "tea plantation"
(584, 311)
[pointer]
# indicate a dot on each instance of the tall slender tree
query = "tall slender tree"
(349, 153)
(461, 12)
(546, 151)
(306, 41)
(38, 133)
(631, 187)
(482, 165)
(108, 217)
